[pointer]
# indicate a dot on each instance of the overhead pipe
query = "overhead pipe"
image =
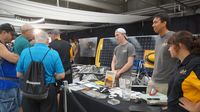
(155, 9)
(58, 3)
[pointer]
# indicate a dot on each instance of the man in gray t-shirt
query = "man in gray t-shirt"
(164, 65)
(123, 55)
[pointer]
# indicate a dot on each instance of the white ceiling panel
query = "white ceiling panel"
(33, 9)
(42, 26)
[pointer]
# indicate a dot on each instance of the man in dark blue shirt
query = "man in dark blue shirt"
(9, 85)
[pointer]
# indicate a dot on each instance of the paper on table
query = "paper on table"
(92, 84)
(162, 99)
(76, 87)
(100, 83)
(116, 90)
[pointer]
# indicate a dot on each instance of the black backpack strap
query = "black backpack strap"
(42, 58)
(45, 55)
(30, 53)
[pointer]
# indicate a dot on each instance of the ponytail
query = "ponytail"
(196, 47)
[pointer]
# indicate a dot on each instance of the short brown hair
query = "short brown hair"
(186, 38)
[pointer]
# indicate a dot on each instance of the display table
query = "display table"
(91, 104)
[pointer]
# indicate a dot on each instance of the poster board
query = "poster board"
(110, 78)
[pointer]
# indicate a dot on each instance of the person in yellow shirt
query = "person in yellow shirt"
(75, 50)
(189, 105)
(186, 82)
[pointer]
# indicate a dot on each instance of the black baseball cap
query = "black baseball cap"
(8, 28)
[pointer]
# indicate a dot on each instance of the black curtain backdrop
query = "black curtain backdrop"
(189, 23)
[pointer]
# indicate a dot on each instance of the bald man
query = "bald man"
(23, 41)
(53, 70)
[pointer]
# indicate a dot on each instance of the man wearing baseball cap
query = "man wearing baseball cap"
(123, 55)
(9, 84)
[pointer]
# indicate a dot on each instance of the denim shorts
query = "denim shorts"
(10, 100)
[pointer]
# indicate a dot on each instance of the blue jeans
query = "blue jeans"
(9, 100)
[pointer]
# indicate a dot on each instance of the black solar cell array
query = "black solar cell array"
(140, 43)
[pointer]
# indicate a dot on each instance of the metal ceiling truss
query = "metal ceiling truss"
(169, 6)
(98, 4)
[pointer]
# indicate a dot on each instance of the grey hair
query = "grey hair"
(41, 35)
(26, 27)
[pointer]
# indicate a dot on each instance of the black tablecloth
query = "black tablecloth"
(100, 105)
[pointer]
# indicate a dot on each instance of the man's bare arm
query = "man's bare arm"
(113, 63)
(126, 67)
(60, 76)
(7, 55)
